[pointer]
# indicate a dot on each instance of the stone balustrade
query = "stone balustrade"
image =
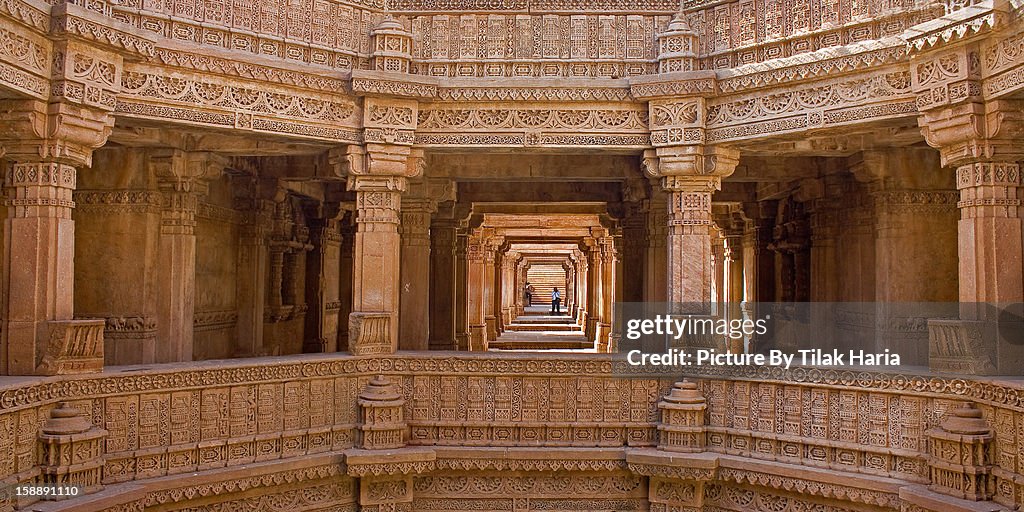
(170, 428)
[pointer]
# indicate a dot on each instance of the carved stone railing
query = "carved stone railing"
(216, 418)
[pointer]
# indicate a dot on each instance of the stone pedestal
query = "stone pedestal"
(682, 419)
(960, 456)
(70, 453)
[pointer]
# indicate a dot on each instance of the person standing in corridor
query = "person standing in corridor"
(556, 301)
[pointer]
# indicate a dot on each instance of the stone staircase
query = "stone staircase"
(536, 329)
(545, 277)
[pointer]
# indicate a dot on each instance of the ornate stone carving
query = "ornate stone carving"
(682, 419)
(369, 333)
(960, 455)
(71, 452)
(74, 346)
(381, 424)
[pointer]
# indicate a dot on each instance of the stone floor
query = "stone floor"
(537, 329)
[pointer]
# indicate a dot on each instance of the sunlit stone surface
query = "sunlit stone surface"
(274, 256)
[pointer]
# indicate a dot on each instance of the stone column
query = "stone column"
(656, 257)
(521, 287)
(322, 280)
(595, 292)
(461, 290)
(568, 301)
(490, 283)
(346, 264)
(444, 279)
(582, 288)
(253, 269)
(414, 311)
(981, 141)
(690, 174)
(475, 284)
(733, 279)
(44, 144)
(183, 179)
(633, 235)
(509, 264)
(609, 262)
(718, 271)
(378, 178)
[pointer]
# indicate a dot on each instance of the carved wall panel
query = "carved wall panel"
(181, 419)
(246, 106)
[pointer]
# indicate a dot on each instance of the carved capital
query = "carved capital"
(714, 163)
(975, 131)
(32, 131)
(182, 171)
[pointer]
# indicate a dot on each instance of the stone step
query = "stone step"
(543, 327)
(539, 345)
(545, 319)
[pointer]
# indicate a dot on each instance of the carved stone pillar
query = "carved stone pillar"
(656, 253)
(414, 312)
(633, 235)
(582, 287)
(378, 181)
(690, 174)
(44, 144)
(183, 179)
(609, 263)
(490, 284)
(345, 273)
(322, 280)
(718, 271)
(733, 279)
(509, 264)
(981, 140)
(253, 269)
(475, 293)
(595, 276)
(462, 265)
(444, 279)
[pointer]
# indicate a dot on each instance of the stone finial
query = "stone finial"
(682, 419)
(381, 423)
(677, 46)
(71, 452)
(960, 455)
(392, 46)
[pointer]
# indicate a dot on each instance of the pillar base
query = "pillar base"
(492, 327)
(74, 346)
(370, 334)
(477, 338)
(602, 331)
(972, 347)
